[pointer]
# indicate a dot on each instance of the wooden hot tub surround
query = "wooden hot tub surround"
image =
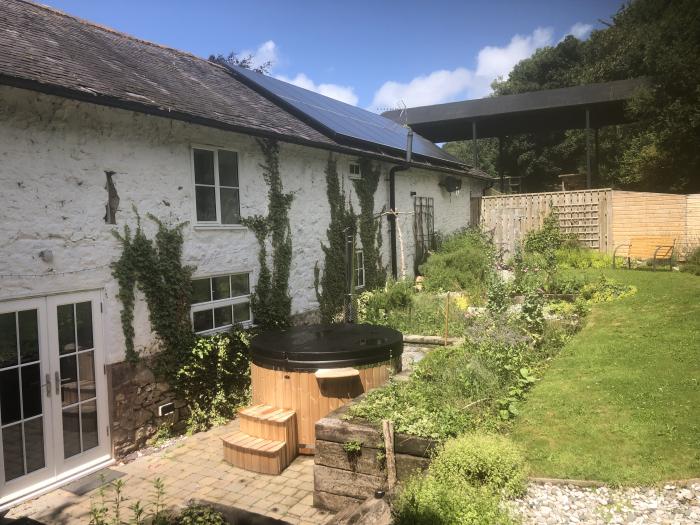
(299, 377)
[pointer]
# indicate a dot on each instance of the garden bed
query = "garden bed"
(349, 465)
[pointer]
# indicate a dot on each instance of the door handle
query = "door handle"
(48, 385)
(57, 381)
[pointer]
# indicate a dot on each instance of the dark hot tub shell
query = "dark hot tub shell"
(285, 362)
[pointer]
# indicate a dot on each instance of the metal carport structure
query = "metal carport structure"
(588, 107)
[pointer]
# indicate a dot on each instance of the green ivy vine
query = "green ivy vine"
(271, 302)
(370, 231)
(155, 266)
(331, 285)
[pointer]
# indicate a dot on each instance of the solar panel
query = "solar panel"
(343, 119)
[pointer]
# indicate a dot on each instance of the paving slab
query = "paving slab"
(191, 468)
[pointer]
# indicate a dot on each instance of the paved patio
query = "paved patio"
(192, 468)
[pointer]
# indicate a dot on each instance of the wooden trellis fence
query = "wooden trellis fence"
(583, 213)
(600, 219)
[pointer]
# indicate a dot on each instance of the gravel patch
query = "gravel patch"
(567, 504)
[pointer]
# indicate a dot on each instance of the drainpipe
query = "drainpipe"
(392, 202)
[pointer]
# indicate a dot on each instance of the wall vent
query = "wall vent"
(167, 408)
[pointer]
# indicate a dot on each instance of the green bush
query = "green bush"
(575, 256)
(435, 401)
(546, 239)
(530, 271)
(200, 515)
(692, 262)
(463, 262)
(567, 283)
(215, 378)
(487, 460)
(430, 501)
(459, 388)
(399, 306)
(605, 289)
(497, 295)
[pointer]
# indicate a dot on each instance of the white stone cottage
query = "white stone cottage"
(95, 124)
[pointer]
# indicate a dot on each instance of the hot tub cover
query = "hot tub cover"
(308, 348)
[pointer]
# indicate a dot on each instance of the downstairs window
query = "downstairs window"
(219, 302)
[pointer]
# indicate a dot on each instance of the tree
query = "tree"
(656, 39)
(248, 62)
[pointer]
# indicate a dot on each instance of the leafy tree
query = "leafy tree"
(247, 61)
(656, 39)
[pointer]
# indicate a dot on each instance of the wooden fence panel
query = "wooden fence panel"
(639, 214)
(583, 213)
(692, 226)
(600, 219)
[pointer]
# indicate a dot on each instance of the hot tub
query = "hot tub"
(313, 370)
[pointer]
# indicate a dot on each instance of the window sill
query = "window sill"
(245, 325)
(233, 227)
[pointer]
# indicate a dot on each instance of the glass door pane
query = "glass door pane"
(77, 378)
(21, 395)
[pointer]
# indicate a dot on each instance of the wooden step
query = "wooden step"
(255, 454)
(269, 422)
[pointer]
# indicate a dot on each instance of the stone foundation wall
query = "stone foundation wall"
(341, 479)
(135, 396)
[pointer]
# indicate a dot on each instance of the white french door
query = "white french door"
(53, 399)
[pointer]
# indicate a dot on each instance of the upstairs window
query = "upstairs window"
(355, 171)
(220, 302)
(216, 186)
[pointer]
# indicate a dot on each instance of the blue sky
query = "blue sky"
(375, 54)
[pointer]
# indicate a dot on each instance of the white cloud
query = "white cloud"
(445, 86)
(266, 52)
(493, 62)
(580, 30)
(436, 87)
(343, 93)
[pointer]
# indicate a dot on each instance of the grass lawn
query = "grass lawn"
(621, 403)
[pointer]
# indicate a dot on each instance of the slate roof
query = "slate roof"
(46, 50)
(45, 46)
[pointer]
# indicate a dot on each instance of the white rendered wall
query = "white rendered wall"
(53, 156)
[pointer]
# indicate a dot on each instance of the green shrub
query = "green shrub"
(605, 289)
(430, 501)
(567, 283)
(530, 271)
(399, 306)
(435, 401)
(497, 295)
(195, 514)
(487, 460)
(463, 262)
(692, 262)
(532, 314)
(500, 346)
(215, 378)
(458, 388)
(579, 257)
(547, 239)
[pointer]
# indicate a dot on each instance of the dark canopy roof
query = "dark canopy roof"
(548, 110)
(49, 51)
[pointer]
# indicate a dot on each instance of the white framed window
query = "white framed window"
(219, 302)
(359, 269)
(355, 171)
(217, 196)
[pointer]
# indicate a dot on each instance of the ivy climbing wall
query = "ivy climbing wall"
(56, 190)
